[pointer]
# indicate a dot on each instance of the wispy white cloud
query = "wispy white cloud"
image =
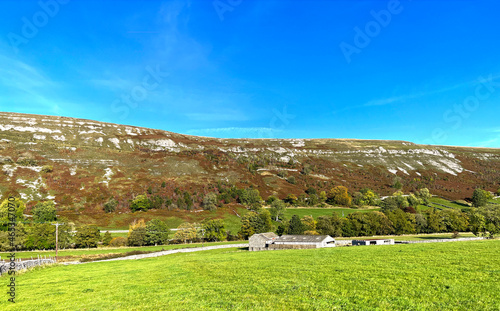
(402, 98)
(25, 88)
(491, 143)
(113, 83)
(217, 116)
(384, 101)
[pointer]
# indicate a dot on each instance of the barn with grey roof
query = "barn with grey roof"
(270, 241)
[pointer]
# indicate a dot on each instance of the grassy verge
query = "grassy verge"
(440, 276)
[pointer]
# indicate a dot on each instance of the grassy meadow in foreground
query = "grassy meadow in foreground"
(438, 276)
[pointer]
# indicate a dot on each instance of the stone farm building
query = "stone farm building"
(373, 242)
(260, 241)
(270, 241)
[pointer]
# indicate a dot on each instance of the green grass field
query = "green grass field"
(495, 200)
(438, 276)
(447, 203)
(316, 212)
(75, 254)
(414, 237)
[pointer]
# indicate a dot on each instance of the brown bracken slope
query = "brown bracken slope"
(93, 161)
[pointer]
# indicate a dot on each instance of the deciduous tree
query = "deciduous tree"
(157, 232)
(137, 233)
(295, 226)
(214, 230)
(186, 232)
(44, 211)
(87, 236)
(479, 198)
(339, 195)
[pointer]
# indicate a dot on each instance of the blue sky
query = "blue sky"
(422, 71)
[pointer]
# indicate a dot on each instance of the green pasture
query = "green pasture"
(436, 276)
(413, 237)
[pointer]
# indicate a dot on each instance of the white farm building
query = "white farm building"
(270, 241)
(373, 242)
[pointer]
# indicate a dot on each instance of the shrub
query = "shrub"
(358, 199)
(156, 202)
(291, 180)
(340, 196)
(369, 196)
(106, 239)
(389, 204)
(271, 199)
(313, 232)
(313, 200)
(424, 195)
(311, 190)
(306, 170)
(5, 160)
(47, 169)
(140, 203)
(41, 236)
(188, 200)
(231, 237)
(309, 223)
(291, 199)
(396, 183)
(282, 174)
(413, 200)
(137, 233)
(24, 161)
(210, 201)
(111, 205)
(118, 241)
(322, 197)
(87, 236)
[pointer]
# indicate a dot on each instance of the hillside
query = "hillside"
(93, 161)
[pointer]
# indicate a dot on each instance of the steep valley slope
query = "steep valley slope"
(92, 161)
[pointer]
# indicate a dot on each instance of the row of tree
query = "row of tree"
(484, 221)
(186, 200)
